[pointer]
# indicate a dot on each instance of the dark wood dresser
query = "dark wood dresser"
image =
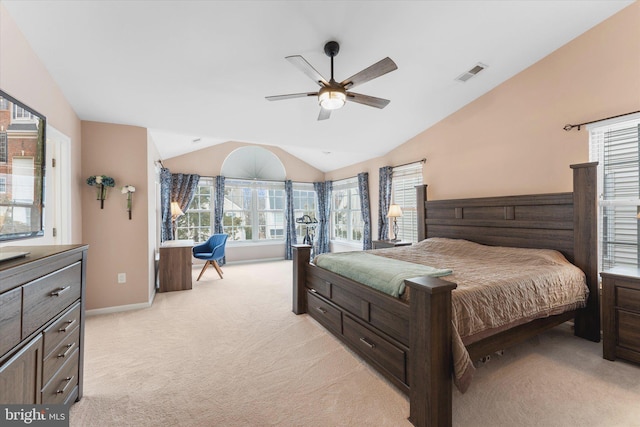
(621, 314)
(42, 325)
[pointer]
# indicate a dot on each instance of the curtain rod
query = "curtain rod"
(423, 160)
(255, 179)
(568, 127)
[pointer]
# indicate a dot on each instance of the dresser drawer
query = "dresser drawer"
(63, 382)
(60, 354)
(629, 330)
(324, 312)
(10, 305)
(45, 298)
(61, 329)
(627, 298)
(379, 350)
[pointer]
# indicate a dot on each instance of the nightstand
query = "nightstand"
(621, 314)
(379, 244)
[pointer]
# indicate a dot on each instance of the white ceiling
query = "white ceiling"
(190, 70)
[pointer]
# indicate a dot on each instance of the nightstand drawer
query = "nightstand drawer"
(629, 330)
(626, 298)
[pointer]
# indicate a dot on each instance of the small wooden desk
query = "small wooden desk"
(175, 265)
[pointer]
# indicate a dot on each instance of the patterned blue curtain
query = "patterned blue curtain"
(384, 201)
(363, 191)
(323, 192)
(218, 210)
(290, 220)
(183, 187)
(165, 205)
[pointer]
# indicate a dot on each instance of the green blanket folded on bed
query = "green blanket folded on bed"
(384, 274)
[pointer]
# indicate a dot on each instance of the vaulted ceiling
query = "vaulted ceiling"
(196, 73)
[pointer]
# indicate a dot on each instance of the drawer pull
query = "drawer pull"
(66, 328)
(68, 381)
(321, 310)
(59, 291)
(367, 343)
(69, 348)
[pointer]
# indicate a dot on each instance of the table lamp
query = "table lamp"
(175, 213)
(394, 212)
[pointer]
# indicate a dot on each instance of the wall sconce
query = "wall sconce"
(176, 212)
(394, 212)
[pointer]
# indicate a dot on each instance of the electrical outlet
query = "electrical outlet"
(122, 277)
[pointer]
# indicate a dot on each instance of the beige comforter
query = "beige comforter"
(497, 288)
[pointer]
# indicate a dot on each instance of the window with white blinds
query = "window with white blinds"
(615, 144)
(403, 190)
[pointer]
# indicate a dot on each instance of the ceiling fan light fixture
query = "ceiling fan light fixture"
(331, 99)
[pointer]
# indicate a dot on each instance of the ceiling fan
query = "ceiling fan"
(333, 95)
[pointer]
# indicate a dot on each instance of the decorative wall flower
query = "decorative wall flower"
(103, 182)
(128, 190)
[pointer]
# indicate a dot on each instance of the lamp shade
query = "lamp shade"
(175, 210)
(394, 211)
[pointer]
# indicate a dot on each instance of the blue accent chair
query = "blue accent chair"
(211, 251)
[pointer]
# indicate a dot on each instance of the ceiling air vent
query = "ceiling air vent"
(472, 72)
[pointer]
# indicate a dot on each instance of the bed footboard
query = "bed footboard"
(430, 364)
(426, 332)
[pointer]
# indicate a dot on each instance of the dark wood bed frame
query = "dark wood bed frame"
(410, 343)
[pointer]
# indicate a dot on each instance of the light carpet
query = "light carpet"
(231, 353)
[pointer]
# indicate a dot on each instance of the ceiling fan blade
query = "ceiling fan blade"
(300, 63)
(378, 69)
(324, 114)
(290, 96)
(371, 101)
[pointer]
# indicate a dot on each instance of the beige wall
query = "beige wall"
(23, 76)
(208, 162)
(118, 245)
(511, 141)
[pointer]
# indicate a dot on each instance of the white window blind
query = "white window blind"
(404, 180)
(615, 145)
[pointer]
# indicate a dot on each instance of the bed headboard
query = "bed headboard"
(566, 222)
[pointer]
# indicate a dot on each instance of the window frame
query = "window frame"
(617, 214)
(403, 182)
(187, 230)
(353, 216)
(254, 212)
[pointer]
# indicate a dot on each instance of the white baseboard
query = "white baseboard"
(254, 261)
(119, 308)
(197, 264)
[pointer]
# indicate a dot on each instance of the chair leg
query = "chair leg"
(217, 267)
(206, 265)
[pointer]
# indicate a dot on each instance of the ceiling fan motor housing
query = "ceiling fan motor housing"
(331, 48)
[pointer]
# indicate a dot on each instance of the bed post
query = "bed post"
(430, 361)
(301, 258)
(585, 238)
(421, 198)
